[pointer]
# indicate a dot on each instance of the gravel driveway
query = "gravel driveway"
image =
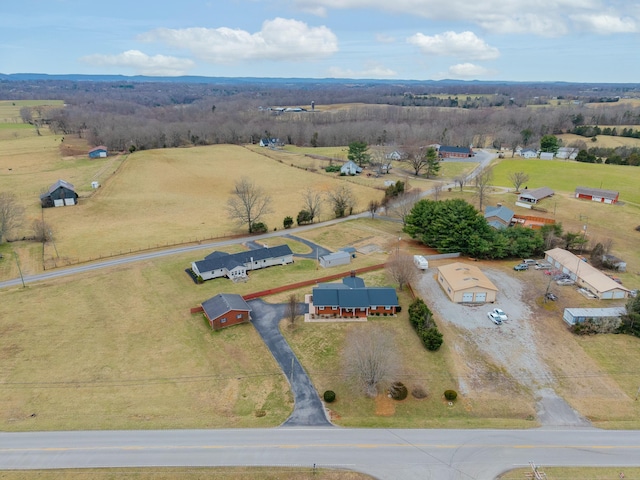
(511, 345)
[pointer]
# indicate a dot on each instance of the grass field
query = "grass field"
(605, 141)
(575, 473)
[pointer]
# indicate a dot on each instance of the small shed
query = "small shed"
(334, 259)
(597, 195)
(60, 194)
(95, 184)
(611, 261)
(466, 284)
(226, 309)
(546, 155)
(580, 315)
(98, 152)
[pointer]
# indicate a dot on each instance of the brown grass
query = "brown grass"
(571, 473)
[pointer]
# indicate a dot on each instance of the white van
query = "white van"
(421, 262)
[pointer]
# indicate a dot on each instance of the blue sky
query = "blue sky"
(518, 40)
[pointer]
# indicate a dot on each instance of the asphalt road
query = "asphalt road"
(383, 453)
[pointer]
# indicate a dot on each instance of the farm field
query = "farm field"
(606, 141)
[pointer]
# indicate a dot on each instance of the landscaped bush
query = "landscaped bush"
(329, 396)
(419, 393)
(450, 395)
(287, 222)
(431, 338)
(422, 322)
(259, 227)
(398, 391)
(332, 168)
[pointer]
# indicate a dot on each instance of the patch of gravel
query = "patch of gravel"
(511, 345)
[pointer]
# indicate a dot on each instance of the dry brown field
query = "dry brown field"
(604, 141)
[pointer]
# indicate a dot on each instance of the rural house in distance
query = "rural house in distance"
(60, 194)
(236, 265)
(98, 152)
(597, 195)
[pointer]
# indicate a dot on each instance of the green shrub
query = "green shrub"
(432, 339)
(287, 222)
(398, 391)
(329, 396)
(259, 227)
(450, 395)
(332, 168)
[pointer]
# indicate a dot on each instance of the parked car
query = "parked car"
(551, 296)
(529, 261)
(501, 315)
(561, 276)
(494, 318)
(565, 282)
(543, 266)
(521, 266)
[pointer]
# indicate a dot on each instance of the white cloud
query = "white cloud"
(279, 39)
(465, 45)
(371, 70)
(466, 71)
(143, 64)
(606, 24)
(540, 17)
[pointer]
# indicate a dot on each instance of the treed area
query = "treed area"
(129, 115)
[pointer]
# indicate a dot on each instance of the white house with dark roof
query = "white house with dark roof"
(528, 153)
(527, 197)
(236, 265)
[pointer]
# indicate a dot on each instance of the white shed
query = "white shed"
(335, 259)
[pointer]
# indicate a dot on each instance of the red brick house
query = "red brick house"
(455, 152)
(226, 309)
(352, 299)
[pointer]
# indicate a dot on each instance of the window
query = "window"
(223, 320)
(239, 315)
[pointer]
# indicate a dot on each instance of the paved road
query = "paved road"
(383, 453)
(308, 409)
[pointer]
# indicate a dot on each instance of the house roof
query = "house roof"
(597, 312)
(353, 282)
(355, 297)
(223, 303)
(462, 276)
(446, 148)
(216, 260)
(538, 193)
(336, 255)
(597, 192)
(351, 165)
(56, 186)
(502, 212)
(98, 148)
(588, 273)
(529, 150)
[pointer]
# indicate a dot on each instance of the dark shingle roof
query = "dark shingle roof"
(223, 303)
(355, 297)
(445, 148)
(217, 260)
(56, 186)
(538, 193)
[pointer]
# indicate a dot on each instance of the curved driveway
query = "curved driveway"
(308, 410)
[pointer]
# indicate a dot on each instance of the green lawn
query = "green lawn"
(565, 176)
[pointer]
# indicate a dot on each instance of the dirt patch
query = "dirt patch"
(385, 406)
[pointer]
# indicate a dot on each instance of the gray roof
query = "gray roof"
(597, 312)
(445, 148)
(538, 193)
(223, 303)
(502, 212)
(217, 260)
(66, 186)
(597, 192)
(355, 297)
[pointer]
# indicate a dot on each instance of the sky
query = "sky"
(505, 40)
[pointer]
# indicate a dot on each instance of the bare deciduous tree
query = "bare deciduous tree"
(371, 358)
(400, 267)
(11, 214)
(342, 200)
(293, 309)
(518, 179)
(312, 200)
(460, 180)
(374, 205)
(437, 190)
(42, 231)
(403, 204)
(248, 203)
(483, 183)
(416, 159)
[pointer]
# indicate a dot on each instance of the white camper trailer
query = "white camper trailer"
(421, 262)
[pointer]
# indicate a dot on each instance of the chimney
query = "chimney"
(353, 273)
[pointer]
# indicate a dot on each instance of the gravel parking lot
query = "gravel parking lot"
(511, 345)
